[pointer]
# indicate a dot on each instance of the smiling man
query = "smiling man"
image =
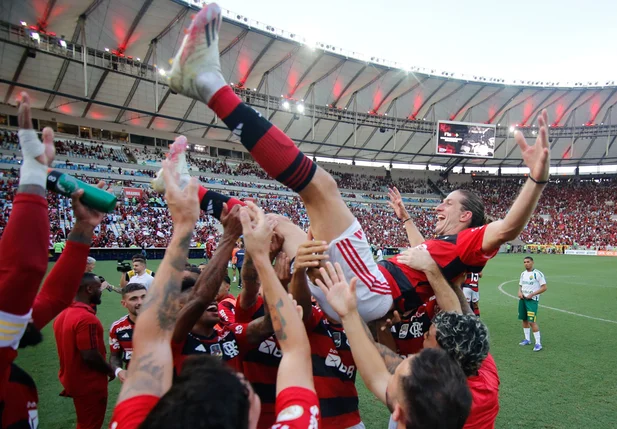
(121, 331)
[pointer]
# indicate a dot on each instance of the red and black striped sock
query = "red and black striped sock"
(269, 146)
(212, 202)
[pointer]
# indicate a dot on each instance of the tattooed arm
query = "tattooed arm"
(150, 372)
(250, 282)
(259, 329)
(295, 368)
(210, 279)
(390, 358)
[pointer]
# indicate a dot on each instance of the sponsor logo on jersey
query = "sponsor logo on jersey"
(333, 360)
(123, 328)
(239, 329)
(292, 412)
(269, 347)
(125, 335)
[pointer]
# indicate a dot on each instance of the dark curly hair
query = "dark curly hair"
(207, 394)
(464, 337)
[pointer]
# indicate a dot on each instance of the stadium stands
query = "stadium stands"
(570, 213)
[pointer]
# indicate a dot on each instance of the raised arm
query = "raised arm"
(342, 298)
(295, 368)
(212, 276)
(420, 259)
(396, 203)
(537, 159)
(309, 255)
(61, 284)
(250, 282)
(151, 369)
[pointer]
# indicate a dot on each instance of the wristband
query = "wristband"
(118, 371)
(31, 171)
(409, 218)
(539, 182)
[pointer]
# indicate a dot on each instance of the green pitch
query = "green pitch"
(572, 383)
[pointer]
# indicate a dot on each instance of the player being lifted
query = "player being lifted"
(463, 242)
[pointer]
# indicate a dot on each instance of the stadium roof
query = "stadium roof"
(275, 71)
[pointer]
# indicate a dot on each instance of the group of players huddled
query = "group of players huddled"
(314, 308)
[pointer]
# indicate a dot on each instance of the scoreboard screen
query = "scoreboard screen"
(465, 139)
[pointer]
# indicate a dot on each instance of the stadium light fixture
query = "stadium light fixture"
(511, 129)
(162, 72)
(35, 36)
(286, 105)
(300, 108)
(23, 23)
(138, 59)
(63, 43)
(106, 49)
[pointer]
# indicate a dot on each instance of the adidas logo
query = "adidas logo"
(125, 335)
(210, 209)
(238, 130)
(200, 348)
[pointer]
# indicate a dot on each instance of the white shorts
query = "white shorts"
(471, 295)
(353, 252)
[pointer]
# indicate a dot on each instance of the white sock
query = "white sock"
(31, 171)
(527, 332)
(536, 335)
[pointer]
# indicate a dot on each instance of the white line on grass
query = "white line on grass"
(500, 287)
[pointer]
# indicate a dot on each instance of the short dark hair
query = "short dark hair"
(473, 203)
(436, 392)
(464, 337)
(528, 257)
(206, 394)
(139, 257)
(187, 283)
(132, 287)
(192, 269)
(87, 279)
(227, 280)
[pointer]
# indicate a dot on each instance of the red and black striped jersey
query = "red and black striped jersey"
(230, 343)
(121, 338)
(455, 254)
(227, 310)
(409, 333)
(471, 281)
(334, 373)
(260, 365)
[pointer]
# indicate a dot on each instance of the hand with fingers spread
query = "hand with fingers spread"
(419, 259)
(391, 321)
(537, 157)
(257, 231)
(340, 295)
(183, 204)
(310, 255)
(282, 267)
(231, 221)
(396, 204)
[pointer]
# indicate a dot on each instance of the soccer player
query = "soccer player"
(464, 242)
(531, 285)
(206, 394)
(240, 262)
(471, 291)
(23, 261)
(233, 262)
(84, 372)
(139, 274)
(334, 369)
(121, 331)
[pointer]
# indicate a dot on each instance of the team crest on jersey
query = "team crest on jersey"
(531, 277)
(215, 350)
(230, 348)
(337, 339)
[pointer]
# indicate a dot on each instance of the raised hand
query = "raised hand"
(340, 295)
(256, 229)
(183, 204)
(231, 221)
(282, 267)
(418, 258)
(537, 157)
(396, 203)
(310, 254)
(84, 214)
(24, 121)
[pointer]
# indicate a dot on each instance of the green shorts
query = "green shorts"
(527, 310)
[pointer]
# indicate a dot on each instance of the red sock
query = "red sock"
(269, 146)
(212, 202)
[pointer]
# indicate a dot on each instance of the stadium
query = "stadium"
(97, 74)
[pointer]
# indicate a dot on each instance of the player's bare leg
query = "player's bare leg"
(196, 73)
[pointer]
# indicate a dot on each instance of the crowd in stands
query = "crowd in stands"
(569, 213)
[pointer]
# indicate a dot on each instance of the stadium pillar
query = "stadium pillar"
(355, 120)
(608, 138)
(84, 52)
(266, 76)
(395, 118)
(313, 113)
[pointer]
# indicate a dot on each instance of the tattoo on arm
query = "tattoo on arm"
(279, 330)
(391, 359)
(249, 273)
(259, 329)
(146, 377)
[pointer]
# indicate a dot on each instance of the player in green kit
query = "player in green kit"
(531, 285)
